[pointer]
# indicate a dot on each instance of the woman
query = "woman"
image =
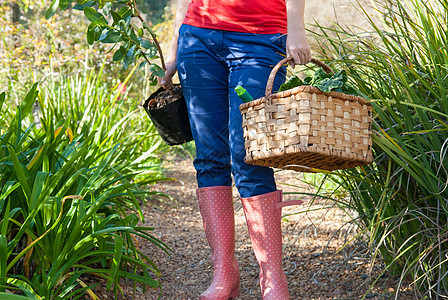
(216, 46)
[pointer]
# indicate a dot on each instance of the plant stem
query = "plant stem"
(133, 5)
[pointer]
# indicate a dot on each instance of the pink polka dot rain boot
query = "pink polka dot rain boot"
(263, 217)
(216, 207)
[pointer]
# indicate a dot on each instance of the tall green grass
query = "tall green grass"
(71, 184)
(401, 64)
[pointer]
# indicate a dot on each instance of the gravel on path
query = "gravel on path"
(317, 265)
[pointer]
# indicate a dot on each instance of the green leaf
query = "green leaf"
(3, 259)
(125, 13)
(123, 10)
(326, 85)
(118, 252)
(116, 17)
(118, 55)
(78, 6)
(20, 172)
(7, 189)
(52, 9)
(146, 44)
(95, 17)
(63, 4)
(293, 82)
(307, 80)
(142, 279)
(100, 169)
(39, 182)
(2, 100)
(27, 105)
(320, 74)
(92, 33)
(24, 287)
(130, 52)
(103, 34)
(112, 37)
(152, 80)
(4, 228)
(153, 53)
(141, 65)
(122, 26)
(134, 37)
(6, 296)
(156, 70)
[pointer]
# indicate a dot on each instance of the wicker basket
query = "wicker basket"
(305, 129)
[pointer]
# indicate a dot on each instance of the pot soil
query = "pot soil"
(168, 112)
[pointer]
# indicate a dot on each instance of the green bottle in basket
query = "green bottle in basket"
(243, 94)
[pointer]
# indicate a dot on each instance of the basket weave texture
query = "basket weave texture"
(305, 129)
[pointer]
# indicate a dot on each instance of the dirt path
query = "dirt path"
(311, 240)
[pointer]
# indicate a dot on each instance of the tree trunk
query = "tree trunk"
(15, 16)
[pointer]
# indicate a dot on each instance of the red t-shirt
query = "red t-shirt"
(253, 16)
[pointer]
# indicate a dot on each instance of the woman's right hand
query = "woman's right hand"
(167, 80)
(170, 63)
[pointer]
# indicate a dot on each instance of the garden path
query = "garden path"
(315, 268)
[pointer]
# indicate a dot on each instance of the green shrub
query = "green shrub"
(69, 199)
(34, 48)
(401, 65)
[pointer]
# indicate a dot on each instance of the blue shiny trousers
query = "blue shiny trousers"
(210, 64)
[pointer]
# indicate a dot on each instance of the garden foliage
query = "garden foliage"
(402, 199)
(120, 24)
(70, 157)
(33, 47)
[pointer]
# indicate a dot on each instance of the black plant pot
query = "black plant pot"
(168, 112)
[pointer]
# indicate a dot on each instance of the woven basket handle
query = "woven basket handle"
(274, 71)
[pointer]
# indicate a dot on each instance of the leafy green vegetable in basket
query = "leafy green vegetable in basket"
(291, 83)
(320, 75)
(326, 82)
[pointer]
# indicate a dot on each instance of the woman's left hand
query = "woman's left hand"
(170, 70)
(298, 48)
